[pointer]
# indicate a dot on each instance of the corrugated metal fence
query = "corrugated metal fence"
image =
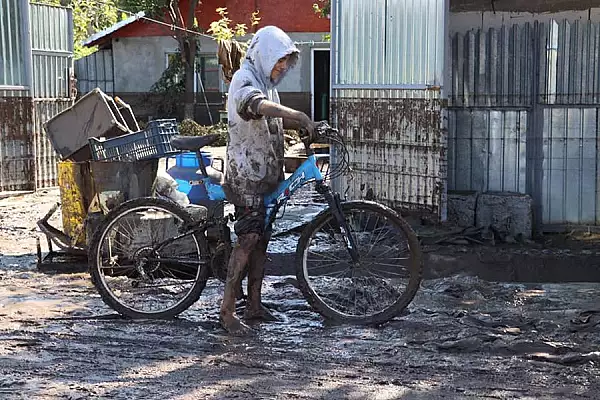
(27, 159)
(17, 166)
(53, 85)
(13, 49)
(46, 158)
(95, 70)
(387, 100)
(524, 116)
(52, 51)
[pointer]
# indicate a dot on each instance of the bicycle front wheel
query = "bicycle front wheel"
(136, 272)
(376, 287)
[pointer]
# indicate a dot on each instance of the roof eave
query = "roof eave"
(104, 35)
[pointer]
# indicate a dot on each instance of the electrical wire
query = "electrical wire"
(177, 28)
(155, 21)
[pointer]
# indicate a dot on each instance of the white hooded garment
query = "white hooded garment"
(255, 148)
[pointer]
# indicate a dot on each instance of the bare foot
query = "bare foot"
(235, 327)
(262, 314)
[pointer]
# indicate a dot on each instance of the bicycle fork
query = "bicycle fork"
(333, 199)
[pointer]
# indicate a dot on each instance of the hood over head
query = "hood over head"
(268, 45)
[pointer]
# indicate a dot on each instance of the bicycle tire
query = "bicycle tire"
(95, 248)
(415, 267)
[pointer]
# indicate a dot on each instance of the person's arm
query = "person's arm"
(253, 104)
(291, 124)
(292, 119)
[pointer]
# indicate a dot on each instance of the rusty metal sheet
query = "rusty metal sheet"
(46, 158)
(397, 150)
(388, 100)
(17, 160)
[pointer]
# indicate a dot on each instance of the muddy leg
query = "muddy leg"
(235, 272)
(240, 290)
(256, 271)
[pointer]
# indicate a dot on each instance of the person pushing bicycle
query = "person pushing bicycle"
(255, 158)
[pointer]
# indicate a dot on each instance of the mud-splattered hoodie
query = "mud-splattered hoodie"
(255, 149)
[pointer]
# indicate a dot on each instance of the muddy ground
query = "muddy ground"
(462, 337)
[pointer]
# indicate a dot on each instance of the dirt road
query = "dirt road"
(462, 338)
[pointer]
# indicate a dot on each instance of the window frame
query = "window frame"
(200, 74)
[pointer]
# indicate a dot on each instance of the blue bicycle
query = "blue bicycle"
(356, 262)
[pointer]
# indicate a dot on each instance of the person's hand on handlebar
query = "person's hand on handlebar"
(319, 129)
(307, 129)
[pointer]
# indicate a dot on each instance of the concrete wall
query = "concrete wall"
(464, 21)
(139, 62)
(136, 54)
(535, 6)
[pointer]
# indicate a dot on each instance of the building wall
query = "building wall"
(464, 21)
(147, 54)
(293, 16)
(531, 6)
(139, 62)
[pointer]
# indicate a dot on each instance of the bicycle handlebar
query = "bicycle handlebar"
(323, 132)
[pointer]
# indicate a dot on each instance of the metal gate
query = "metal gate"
(95, 70)
(388, 100)
(524, 117)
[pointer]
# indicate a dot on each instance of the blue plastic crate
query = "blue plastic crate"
(152, 142)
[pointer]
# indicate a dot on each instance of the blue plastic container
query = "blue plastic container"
(190, 160)
(184, 172)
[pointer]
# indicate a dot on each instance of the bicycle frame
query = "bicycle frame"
(306, 172)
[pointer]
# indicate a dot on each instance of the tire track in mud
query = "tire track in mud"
(463, 338)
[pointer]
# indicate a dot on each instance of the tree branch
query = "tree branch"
(192, 12)
(178, 17)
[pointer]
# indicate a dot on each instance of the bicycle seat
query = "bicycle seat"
(193, 143)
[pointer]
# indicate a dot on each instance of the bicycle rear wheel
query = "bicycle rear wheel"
(136, 275)
(376, 288)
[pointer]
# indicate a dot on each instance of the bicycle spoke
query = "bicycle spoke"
(150, 280)
(379, 279)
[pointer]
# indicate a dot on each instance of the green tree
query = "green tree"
(173, 81)
(222, 30)
(185, 28)
(323, 7)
